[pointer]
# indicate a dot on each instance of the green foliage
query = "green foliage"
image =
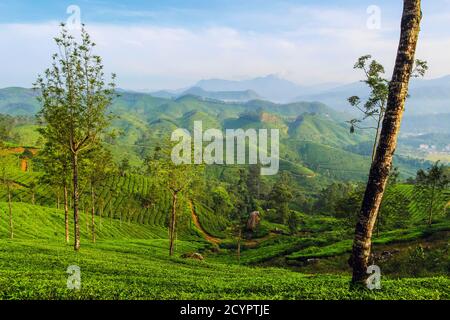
(74, 95)
(334, 163)
(221, 202)
(6, 125)
(331, 195)
(324, 130)
(345, 246)
(348, 207)
(213, 222)
(36, 222)
(130, 262)
(375, 106)
(312, 139)
(431, 188)
(241, 199)
(124, 167)
(280, 197)
(420, 260)
(140, 269)
(394, 211)
(373, 109)
(293, 222)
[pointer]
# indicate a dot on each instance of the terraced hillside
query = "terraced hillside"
(125, 198)
(316, 146)
(131, 262)
(416, 206)
(33, 222)
(323, 236)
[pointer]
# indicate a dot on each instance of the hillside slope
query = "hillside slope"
(125, 264)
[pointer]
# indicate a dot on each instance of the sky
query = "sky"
(172, 44)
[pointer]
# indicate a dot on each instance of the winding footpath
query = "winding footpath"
(205, 235)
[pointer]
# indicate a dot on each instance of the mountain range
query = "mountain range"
(270, 87)
(315, 141)
(227, 96)
(425, 96)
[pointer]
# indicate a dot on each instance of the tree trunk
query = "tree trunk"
(93, 213)
(11, 226)
(173, 220)
(66, 212)
(377, 133)
(101, 213)
(379, 171)
(86, 211)
(75, 202)
(378, 223)
(239, 244)
(430, 215)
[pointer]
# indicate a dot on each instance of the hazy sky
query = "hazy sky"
(174, 43)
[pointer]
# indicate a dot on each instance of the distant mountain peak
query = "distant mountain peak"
(271, 87)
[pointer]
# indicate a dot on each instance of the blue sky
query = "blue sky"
(170, 44)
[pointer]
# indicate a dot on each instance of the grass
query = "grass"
(130, 261)
(141, 269)
(36, 222)
(345, 246)
(118, 197)
(214, 224)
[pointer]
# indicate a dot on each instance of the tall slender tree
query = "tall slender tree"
(75, 98)
(99, 164)
(242, 207)
(6, 125)
(430, 187)
(381, 166)
(375, 107)
(56, 164)
(280, 197)
(7, 166)
(178, 179)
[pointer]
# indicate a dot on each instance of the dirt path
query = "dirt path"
(205, 235)
(248, 243)
(19, 150)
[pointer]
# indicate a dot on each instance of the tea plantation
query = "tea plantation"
(130, 261)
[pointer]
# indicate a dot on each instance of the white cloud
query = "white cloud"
(156, 57)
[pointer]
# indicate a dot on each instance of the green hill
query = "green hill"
(315, 142)
(122, 198)
(18, 101)
(33, 222)
(322, 129)
(332, 162)
(188, 119)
